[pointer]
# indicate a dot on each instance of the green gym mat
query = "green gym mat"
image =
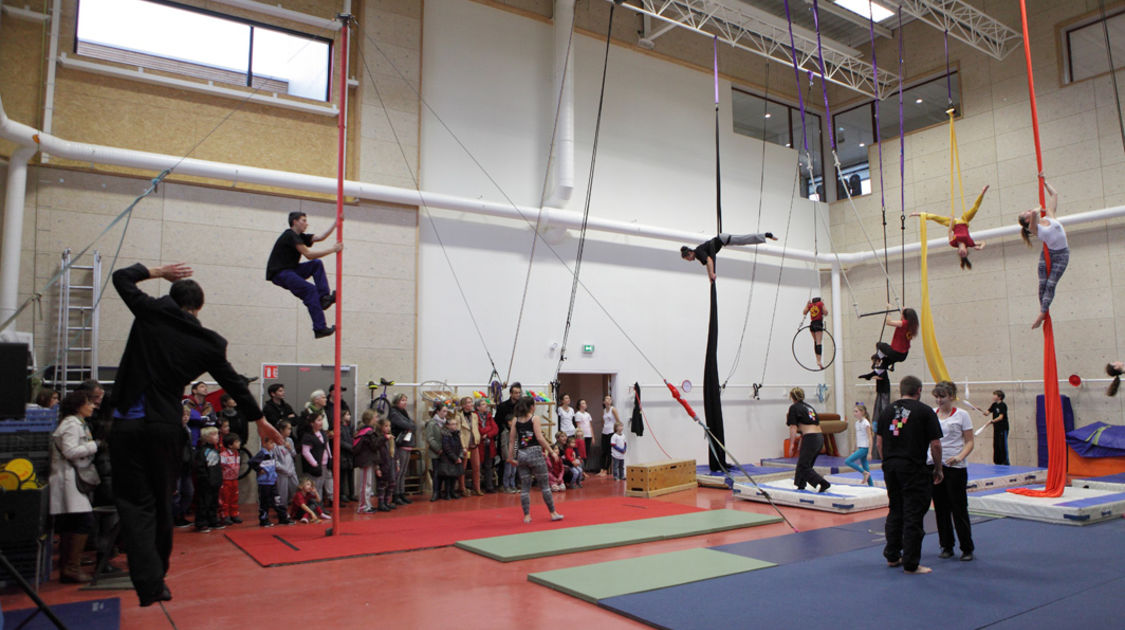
(637, 575)
(554, 542)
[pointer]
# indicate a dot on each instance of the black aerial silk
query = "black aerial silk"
(882, 401)
(636, 422)
(712, 403)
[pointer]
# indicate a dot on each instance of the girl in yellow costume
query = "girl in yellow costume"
(958, 229)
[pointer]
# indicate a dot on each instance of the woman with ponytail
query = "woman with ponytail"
(1047, 229)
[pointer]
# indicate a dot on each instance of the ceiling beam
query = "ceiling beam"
(966, 24)
(767, 35)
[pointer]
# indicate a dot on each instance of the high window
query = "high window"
(923, 104)
(779, 123)
(1084, 47)
(206, 45)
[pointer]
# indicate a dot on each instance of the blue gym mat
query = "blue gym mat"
(1020, 565)
(95, 614)
(817, 543)
(705, 469)
(1118, 478)
(977, 473)
(835, 464)
(1094, 608)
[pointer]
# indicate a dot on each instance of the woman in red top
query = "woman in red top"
(887, 355)
(487, 446)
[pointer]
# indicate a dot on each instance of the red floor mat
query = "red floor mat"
(386, 534)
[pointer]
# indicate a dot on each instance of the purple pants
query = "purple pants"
(309, 293)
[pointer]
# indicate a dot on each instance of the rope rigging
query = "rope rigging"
(1112, 71)
(586, 207)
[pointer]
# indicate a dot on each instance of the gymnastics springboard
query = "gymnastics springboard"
(1076, 506)
(981, 477)
(708, 478)
(841, 498)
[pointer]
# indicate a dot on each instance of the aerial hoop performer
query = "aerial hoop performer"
(705, 252)
(886, 354)
(1046, 228)
(959, 229)
(286, 270)
(816, 311)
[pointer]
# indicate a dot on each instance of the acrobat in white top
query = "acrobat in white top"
(1053, 235)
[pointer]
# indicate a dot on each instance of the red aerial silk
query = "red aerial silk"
(1052, 403)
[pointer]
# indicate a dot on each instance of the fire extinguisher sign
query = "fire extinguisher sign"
(269, 371)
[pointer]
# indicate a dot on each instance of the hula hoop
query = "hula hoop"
(793, 347)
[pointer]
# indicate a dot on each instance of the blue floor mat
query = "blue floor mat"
(1093, 608)
(1020, 565)
(817, 543)
(95, 614)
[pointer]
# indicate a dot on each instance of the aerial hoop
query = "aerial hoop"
(797, 358)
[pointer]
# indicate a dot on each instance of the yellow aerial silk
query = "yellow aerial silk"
(934, 360)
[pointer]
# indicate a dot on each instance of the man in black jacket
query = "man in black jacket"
(167, 349)
(276, 409)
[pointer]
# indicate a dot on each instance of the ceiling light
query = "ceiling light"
(862, 144)
(769, 115)
(867, 9)
(918, 101)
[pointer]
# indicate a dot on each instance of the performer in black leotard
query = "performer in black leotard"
(705, 252)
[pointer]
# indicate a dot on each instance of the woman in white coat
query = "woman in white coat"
(73, 451)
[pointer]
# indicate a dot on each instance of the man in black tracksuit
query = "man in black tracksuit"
(167, 349)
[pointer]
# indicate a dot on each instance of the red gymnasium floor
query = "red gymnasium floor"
(216, 585)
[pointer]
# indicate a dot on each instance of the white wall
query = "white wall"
(487, 75)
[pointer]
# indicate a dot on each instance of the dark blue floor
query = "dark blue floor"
(96, 614)
(1118, 478)
(705, 469)
(817, 543)
(1035, 572)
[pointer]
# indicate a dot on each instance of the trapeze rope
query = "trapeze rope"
(586, 207)
(1112, 72)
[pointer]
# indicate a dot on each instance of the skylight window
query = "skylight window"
(867, 9)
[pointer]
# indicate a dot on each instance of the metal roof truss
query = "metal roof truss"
(967, 24)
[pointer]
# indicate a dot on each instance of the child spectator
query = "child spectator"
(580, 445)
(617, 448)
(347, 459)
(450, 466)
(285, 455)
(555, 468)
(224, 428)
(316, 456)
(228, 493)
(185, 489)
(209, 478)
(363, 449)
(573, 460)
(266, 467)
(306, 503)
(385, 466)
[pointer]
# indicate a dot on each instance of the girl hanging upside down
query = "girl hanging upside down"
(816, 311)
(887, 355)
(1050, 231)
(959, 229)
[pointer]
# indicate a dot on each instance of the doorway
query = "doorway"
(591, 387)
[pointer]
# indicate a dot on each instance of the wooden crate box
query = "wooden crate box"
(656, 478)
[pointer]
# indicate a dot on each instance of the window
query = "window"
(189, 41)
(779, 123)
(1085, 47)
(923, 105)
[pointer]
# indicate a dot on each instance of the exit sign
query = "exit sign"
(588, 348)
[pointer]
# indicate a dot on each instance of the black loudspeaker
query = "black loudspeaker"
(13, 379)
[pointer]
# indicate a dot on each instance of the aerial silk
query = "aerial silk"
(1056, 434)
(712, 393)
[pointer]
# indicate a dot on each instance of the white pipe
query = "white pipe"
(139, 74)
(837, 346)
(564, 86)
(13, 231)
(52, 56)
(24, 14)
(328, 24)
(91, 153)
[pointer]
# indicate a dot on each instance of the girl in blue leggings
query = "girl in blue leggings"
(858, 459)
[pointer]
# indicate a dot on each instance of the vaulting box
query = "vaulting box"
(657, 478)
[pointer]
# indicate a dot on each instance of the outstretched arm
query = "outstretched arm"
(314, 254)
(1052, 198)
(327, 233)
(711, 268)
